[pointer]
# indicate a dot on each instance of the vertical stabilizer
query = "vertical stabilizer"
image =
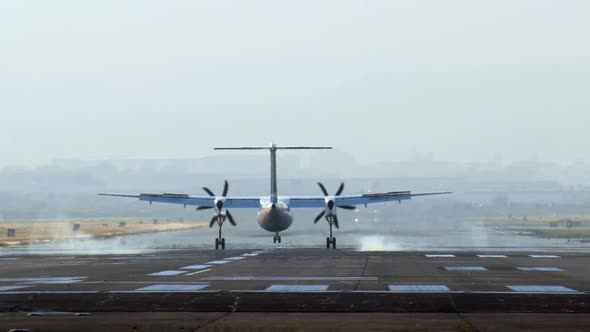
(273, 161)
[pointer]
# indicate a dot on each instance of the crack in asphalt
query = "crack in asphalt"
(458, 313)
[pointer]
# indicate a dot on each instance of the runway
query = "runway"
(209, 287)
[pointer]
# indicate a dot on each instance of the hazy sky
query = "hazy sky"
(386, 80)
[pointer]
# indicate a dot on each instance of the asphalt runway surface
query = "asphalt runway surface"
(455, 279)
(207, 285)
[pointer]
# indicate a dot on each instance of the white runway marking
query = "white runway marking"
(250, 255)
(54, 282)
(218, 262)
(171, 288)
(250, 278)
(539, 268)
(8, 288)
(193, 273)
(465, 268)
(43, 280)
(297, 288)
(440, 256)
(419, 288)
(492, 256)
(541, 289)
(544, 256)
(237, 258)
(167, 273)
(196, 267)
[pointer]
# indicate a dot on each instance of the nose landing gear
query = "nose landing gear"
(331, 241)
(276, 238)
(220, 241)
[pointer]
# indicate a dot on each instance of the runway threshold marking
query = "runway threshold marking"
(440, 255)
(42, 280)
(541, 289)
(419, 288)
(220, 262)
(9, 288)
(465, 268)
(237, 258)
(168, 273)
(297, 288)
(492, 256)
(196, 267)
(197, 272)
(544, 256)
(252, 278)
(172, 288)
(540, 268)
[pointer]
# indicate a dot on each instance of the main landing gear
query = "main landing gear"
(276, 238)
(331, 241)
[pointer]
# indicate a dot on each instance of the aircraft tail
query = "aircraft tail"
(273, 161)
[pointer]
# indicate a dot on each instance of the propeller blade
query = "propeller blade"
(225, 188)
(203, 208)
(213, 220)
(335, 218)
(323, 189)
(348, 207)
(208, 191)
(319, 217)
(340, 189)
(230, 217)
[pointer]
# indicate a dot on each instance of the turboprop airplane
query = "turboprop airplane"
(274, 211)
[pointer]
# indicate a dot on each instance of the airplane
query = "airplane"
(274, 211)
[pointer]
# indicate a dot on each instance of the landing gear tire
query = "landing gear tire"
(223, 243)
(216, 243)
(276, 239)
(279, 238)
(331, 242)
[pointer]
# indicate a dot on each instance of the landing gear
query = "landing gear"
(331, 241)
(276, 238)
(220, 241)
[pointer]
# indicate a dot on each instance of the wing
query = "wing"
(183, 199)
(349, 200)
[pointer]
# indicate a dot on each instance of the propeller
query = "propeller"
(219, 206)
(329, 210)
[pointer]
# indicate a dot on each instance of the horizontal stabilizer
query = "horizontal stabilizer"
(274, 147)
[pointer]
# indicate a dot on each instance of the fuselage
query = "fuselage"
(275, 217)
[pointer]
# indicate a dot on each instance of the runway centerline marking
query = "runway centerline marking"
(168, 273)
(440, 255)
(492, 256)
(237, 258)
(297, 288)
(544, 256)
